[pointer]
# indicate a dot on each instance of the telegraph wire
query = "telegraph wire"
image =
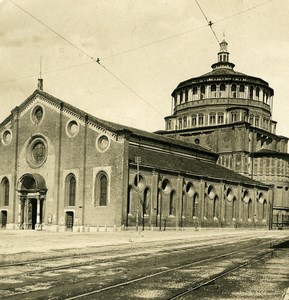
(210, 23)
(136, 48)
(97, 60)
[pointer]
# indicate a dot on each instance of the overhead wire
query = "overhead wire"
(210, 23)
(138, 47)
(97, 60)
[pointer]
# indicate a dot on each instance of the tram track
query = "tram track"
(120, 260)
(198, 284)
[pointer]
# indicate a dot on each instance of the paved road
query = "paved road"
(156, 270)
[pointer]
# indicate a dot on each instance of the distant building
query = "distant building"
(230, 113)
(64, 169)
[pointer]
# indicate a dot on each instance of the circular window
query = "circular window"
(211, 192)
(37, 152)
(229, 194)
(190, 189)
(261, 198)
(246, 197)
(7, 137)
(37, 114)
(102, 143)
(166, 186)
(197, 141)
(139, 182)
(72, 128)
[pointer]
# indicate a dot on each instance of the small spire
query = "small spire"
(40, 84)
(223, 56)
(40, 80)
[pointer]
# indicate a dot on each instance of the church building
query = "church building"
(64, 169)
(230, 113)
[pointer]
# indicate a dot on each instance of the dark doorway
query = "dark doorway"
(3, 218)
(69, 220)
(32, 212)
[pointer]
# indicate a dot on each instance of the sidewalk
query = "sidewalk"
(30, 241)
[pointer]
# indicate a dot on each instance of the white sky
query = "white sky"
(258, 45)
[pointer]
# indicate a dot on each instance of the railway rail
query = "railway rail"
(199, 283)
(100, 261)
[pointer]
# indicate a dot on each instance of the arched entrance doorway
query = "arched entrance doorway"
(32, 190)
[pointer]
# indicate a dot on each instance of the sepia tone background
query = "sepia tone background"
(149, 46)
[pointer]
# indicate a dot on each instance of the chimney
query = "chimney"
(40, 84)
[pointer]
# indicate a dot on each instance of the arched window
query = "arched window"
(216, 207)
(195, 205)
(220, 118)
(201, 119)
(203, 89)
(251, 91)
(145, 203)
(180, 123)
(233, 90)
(5, 191)
(101, 189)
(186, 95)
(70, 190)
(195, 90)
(250, 210)
(264, 210)
(185, 122)
(242, 91)
(172, 203)
(194, 120)
(213, 90)
(181, 96)
(234, 116)
(257, 93)
(234, 208)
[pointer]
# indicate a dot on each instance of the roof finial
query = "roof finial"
(40, 80)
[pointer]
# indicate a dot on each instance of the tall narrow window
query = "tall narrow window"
(201, 119)
(251, 91)
(195, 205)
(102, 192)
(194, 120)
(264, 210)
(71, 189)
(213, 90)
(216, 207)
(220, 118)
(186, 95)
(146, 201)
(185, 122)
(212, 119)
(5, 191)
(233, 90)
(250, 210)
(234, 117)
(129, 199)
(242, 91)
(203, 89)
(172, 203)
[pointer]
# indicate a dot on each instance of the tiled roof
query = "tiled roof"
(193, 166)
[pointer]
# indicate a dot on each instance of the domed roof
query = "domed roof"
(223, 70)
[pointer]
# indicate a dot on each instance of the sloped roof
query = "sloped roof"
(113, 127)
(193, 166)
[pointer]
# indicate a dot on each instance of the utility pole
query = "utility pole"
(137, 161)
